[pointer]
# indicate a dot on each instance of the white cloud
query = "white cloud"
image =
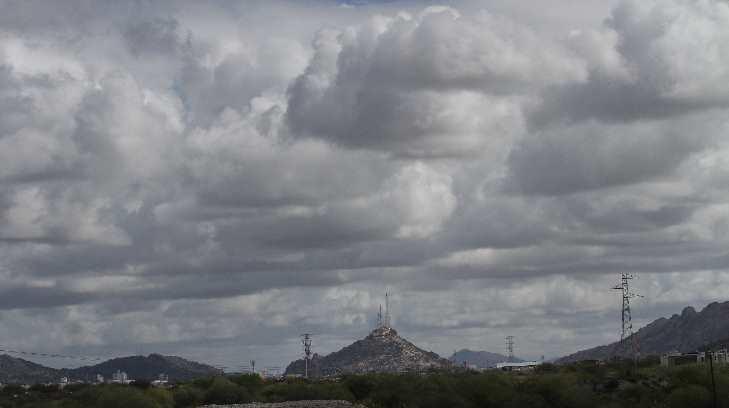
(175, 175)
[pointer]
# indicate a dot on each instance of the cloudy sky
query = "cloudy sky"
(211, 179)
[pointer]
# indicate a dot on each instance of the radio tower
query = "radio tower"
(306, 342)
(510, 348)
(626, 318)
(387, 309)
(380, 322)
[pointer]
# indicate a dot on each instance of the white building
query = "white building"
(524, 365)
(120, 377)
(161, 381)
(676, 359)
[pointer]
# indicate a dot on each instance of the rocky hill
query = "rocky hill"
(15, 370)
(689, 331)
(480, 359)
(146, 368)
(383, 350)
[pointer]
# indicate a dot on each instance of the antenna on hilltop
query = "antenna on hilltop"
(306, 342)
(510, 348)
(626, 331)
(387, 309)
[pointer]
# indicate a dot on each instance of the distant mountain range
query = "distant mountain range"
(480, 359)
(383, 350)
(17, 370)
(689, 331)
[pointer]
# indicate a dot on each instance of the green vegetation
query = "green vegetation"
(586, 385)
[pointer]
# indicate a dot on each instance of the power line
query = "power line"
(5, 349)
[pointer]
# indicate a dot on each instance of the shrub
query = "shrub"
(187, 396)
(694, 396)
(123, 397)
(224, 391)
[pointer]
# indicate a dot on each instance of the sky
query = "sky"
(212, 179)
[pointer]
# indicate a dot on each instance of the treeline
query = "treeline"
(575, 386)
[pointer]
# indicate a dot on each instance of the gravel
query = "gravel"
(291, 404)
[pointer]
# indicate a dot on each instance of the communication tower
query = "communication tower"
(387, 309)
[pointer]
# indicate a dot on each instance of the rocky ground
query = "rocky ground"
(291, 404)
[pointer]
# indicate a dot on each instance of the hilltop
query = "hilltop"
(689, 331)
(383, 350)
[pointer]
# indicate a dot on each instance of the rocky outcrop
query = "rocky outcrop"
(383, 350)
(689, 331)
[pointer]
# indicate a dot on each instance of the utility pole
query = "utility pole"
(510, 348)
(306, 342)
(710, 356)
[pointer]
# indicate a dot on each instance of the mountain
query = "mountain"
(18, 371)
(689, 331)
(146, 368)
(480, 359)
(383, 350)
(15, 370)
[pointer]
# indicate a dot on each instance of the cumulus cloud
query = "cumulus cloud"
(175, 176)
(650, 60)
(433, 84)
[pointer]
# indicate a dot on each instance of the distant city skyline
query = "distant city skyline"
(212, 179)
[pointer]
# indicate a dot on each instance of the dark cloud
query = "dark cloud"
(591, 155)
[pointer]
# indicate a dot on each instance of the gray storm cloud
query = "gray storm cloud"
(176, 175)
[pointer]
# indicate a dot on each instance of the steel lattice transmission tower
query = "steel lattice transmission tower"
(626, 331)
(510, 348)
(306, 342)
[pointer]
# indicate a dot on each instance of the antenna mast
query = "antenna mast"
(306, 342)
(380, 322)
(387, 309)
